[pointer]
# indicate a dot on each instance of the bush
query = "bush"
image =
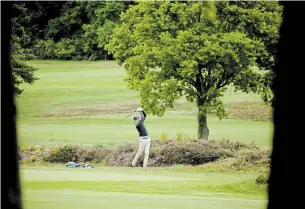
(44, 49)
(164, 136)
(186, 154)
(162, 153)
(182, 136)
(252, 156)
(122, 155)
(233, 146)
(62, 155)
(68, 49)
(179, 136)
(97, 154)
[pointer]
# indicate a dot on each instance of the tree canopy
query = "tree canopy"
(177, 49)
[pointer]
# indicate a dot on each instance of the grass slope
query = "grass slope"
(81, 102)
(53, 187)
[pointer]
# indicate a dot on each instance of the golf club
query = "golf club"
(126, 117)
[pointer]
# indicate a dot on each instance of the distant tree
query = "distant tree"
(33, 17)
(63, 34)
(175, 49)
(104, 16)
(67, 30)
(80, 30)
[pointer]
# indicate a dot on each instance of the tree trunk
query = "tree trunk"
(203, 131)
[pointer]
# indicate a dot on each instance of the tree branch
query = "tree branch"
(225, 79)
(200, 79)
(209, 74)
(226, 82)
(177, 75)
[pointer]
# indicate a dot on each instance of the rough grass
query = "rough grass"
(254, 110)
(244, 110)
(91, 110)
(228, 155)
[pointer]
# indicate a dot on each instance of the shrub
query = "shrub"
(234, 155)
(45, 49)
(250, 156)
(225, 153)
(164, 136)
(97, 154)
(62, 155)
(182, 137)
(122, 155)
(185, 153)
(233, 146)
(179, 136)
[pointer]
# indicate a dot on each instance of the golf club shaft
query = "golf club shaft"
(125, 118)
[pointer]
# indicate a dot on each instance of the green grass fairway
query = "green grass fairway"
(88, 131)
(137, 188)
(80, 102)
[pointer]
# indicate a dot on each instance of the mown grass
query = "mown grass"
(80, 102)
(105, 187)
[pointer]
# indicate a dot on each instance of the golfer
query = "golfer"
(144, 139)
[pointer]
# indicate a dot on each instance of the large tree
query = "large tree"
(260, 20)
(170, 49)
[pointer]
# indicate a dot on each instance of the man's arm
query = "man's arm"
(144, 114)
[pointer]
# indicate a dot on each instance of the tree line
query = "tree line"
(170, 49)
(71, 30)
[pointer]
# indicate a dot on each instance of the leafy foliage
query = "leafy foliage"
(61, 155)
(63, 33)
(259, 20)
(78, 30)
(99, 29)
(21, 72)
(178, 49)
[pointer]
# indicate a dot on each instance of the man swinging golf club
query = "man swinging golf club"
(144, 139)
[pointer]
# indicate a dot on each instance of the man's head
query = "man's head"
(136, 119)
